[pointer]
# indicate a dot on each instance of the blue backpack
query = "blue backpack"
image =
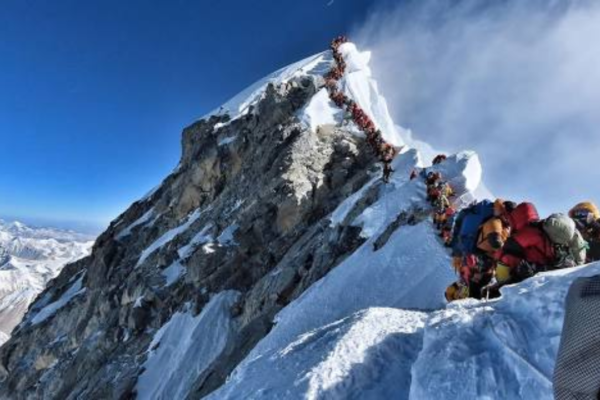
(467, 225)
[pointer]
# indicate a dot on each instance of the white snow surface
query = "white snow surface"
(202, 237)
(184, 347)
(168, 236)
(142, 221)
(501, 349)
(320, 111)
(227, 140)
(372, 350)
(29, 258)
(173, 272)
(226, 238)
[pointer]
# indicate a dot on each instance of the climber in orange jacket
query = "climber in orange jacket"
(492, 236)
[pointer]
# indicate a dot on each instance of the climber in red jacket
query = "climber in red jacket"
(517, 217)
(439, 159)
(528, 249)
(529, 244)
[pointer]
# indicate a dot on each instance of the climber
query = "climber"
(339, 98)
(443, 211)
(492, 235)
(413, 174)
(527, 252)
(457, 291)
(517, 217)
(587, 219)
(446, 229)
(431, 180)
(387, 171)
(388, 152)
(433, 194)
(441, 195)
(475, 273)
(466, 227)
(432, 177)
(535, 246)
(439, 158)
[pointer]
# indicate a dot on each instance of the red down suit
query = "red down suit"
(528, 241)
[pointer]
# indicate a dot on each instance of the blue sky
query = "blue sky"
(95, 93)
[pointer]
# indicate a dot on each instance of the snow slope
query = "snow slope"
(502, 349)
(29, 258)
(185, 346)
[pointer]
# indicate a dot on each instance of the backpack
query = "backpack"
(523, 215)
(559, 228)
(570, 247)
(467, 228)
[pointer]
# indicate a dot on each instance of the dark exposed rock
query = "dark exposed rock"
(268, 189)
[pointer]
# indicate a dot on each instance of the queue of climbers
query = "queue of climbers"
(384, 151)
(501, 242)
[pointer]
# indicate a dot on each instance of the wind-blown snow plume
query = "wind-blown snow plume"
(517, 81)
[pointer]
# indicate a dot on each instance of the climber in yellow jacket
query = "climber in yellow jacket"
(587, 218)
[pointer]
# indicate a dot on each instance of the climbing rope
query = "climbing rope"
(384, 151)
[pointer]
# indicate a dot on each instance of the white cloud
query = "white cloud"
(518, 81)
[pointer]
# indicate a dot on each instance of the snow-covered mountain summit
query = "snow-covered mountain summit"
(274, 263)
(29, 259)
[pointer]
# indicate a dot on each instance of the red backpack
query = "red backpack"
(522, 215)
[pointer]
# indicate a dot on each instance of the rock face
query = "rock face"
(243, 214)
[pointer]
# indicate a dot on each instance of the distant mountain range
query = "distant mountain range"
(29, 258)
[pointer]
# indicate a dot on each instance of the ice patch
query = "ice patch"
(200, 238)
(138, 302)
(227, 140)
(226, 238)
(140, 221)
(75, 290)
(168, 236)
(173, 273)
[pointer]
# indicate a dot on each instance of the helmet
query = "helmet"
(457, 291)
(582, 210)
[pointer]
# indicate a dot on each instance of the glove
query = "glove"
(526, 270)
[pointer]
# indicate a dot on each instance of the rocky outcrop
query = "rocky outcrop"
(245, 211)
